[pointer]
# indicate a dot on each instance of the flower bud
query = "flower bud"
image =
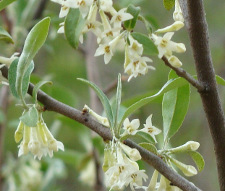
(189, 146)
(152, 184)
(19, 132)
(188, 170)
(109, 159)
(177, 25)
(175, 62)
(103, 120)
(177, 15)
(132, 153)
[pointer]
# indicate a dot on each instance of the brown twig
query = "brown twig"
(195, 21)
(82, 117)
(182, 73)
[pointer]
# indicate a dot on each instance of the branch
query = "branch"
(52, 104)
(194, 15)
(182, 73)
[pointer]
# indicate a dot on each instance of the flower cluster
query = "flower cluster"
(121, 168)
(131, 128)
(111, 36)
(165, 46)
(38, 140)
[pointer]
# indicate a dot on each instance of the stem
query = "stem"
(182, 73)
(194, 15)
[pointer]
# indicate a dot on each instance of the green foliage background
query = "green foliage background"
(61, 64)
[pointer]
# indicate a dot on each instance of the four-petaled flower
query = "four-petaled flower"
(120, 17)
(166, 46)
(150, 129)
(131, 128)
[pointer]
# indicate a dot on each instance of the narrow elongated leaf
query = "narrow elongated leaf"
(148, 45)
(5, 3)
(74, 25)
(4, 35)
(33, 43)
(150, 147)
(168, 4)
(37, 87)
(103, 98)
(30, 117)
(171, 84)
(198, 159)
(13, 74)
(174, 109)
(134, 11)
(118, 100)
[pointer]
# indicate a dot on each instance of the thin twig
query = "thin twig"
(52, 104)
(182, 73)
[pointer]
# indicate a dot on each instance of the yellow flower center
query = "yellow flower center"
(164, 43)
(107, 49)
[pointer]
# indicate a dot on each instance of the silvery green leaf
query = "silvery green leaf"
(33, 43)
(30, 117)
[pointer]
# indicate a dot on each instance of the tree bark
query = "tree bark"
(195, 21)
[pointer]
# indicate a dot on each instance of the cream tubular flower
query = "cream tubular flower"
(166, 46)
(108, 33)
(153, 182)
(138, 66)
(91, 23)
(64, 8)
(84, 6)
(120, 17)
(132, 153)
(135, 47)
(188, 170)
(38, 140)
(174, 61)
(177, 15)
(150, 129)
(130, 128)
(124, 173)
(107, 6)
(177, 25)
(108, 48)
